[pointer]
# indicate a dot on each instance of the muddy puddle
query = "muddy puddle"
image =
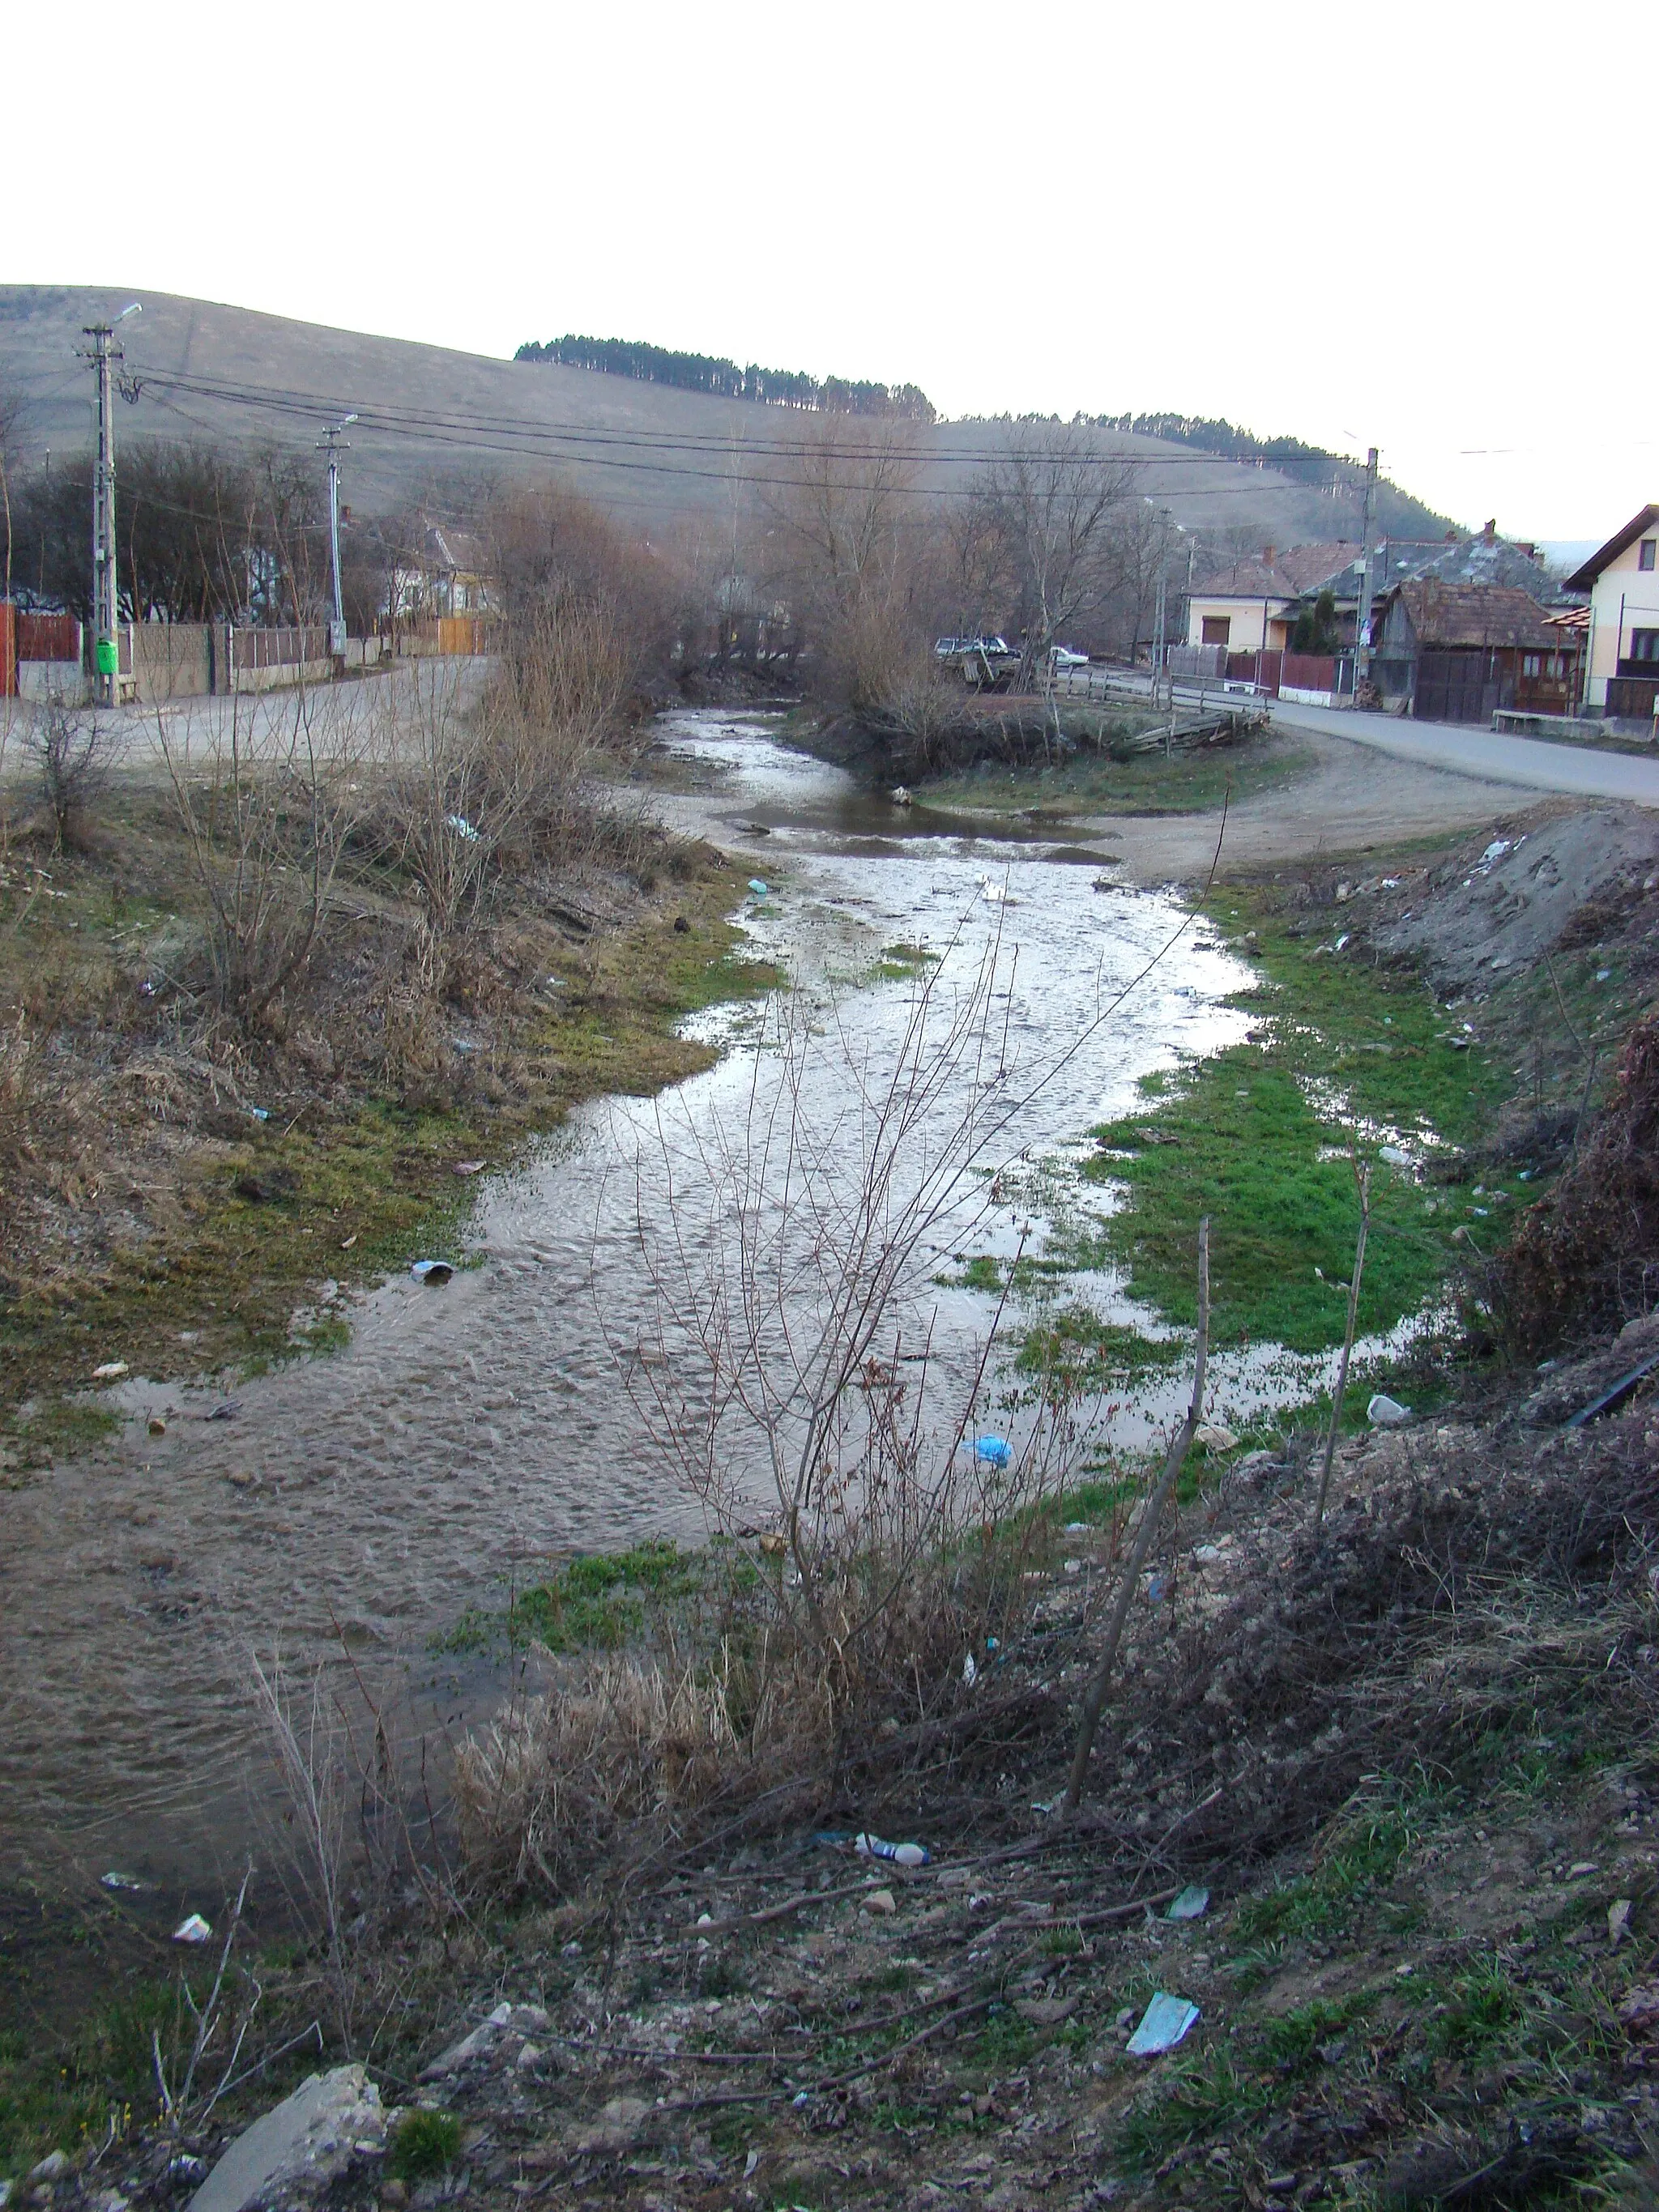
(347, 1509)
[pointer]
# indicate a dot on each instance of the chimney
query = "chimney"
(1451, 537)
(1268, 552)
(1489, 534)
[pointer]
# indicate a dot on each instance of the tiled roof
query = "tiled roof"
(1476, 614)
(1295, 569)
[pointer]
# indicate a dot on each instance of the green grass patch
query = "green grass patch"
(1074, 1345)
(898, 962)
(1364, 1859)
(598, 1603)
(1094, 782)
(1257, 1137)
(423, 2144)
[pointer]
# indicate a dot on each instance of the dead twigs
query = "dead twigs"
(1362, 1175)
(1093, 1701)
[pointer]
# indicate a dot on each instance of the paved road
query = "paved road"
(1583, 771)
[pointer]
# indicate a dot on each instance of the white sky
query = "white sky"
(1428, 226)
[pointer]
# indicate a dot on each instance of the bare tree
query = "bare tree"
(1055, 503)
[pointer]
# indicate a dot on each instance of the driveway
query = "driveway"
(1581, 770)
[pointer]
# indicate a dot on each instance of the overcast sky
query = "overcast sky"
(1427, 226)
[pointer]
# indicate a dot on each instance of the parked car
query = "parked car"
(1062, 656)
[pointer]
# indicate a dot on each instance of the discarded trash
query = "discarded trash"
(996, 894)
(463, 1045)
(1618, 1920)
(970, 1671)
(1615, 1396)
(1158, 1587)
(1192, 1903)
(1386, 1412)
(226, 1410)
(469, 1167)
(110, 1370)
(995, 1451)
(464, 829)
(156, 1425)
(801, 2099)
(431, 1271)
(757, 887)
(880, 1900)
(260, 1113)
(1495, 850)
(1163, 2025)
(871, 1847)
(1215, 1436)
(346, 1242)
(193, 1930)
(899, 795)
(120, 1881)
(750, 2163)
(1079, 1528)
(1394, 1157)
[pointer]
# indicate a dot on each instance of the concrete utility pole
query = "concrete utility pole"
(1362, 635)
(331, 445)
(105, 594)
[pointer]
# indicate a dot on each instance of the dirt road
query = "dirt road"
(1351, 798)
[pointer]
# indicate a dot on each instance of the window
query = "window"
(1644, 645)
(1645, 553)
(1531, 663)
(1218, 628)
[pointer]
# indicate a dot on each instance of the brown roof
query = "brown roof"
(1476, 614)
(1584, 580)
(1293, 570)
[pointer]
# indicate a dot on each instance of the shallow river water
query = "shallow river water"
(468, 1433)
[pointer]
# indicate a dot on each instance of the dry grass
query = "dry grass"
(1586, 1257)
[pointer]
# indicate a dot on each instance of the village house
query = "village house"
(1459, 653)
(1248, 605)
(446, 574)
(1623, 659)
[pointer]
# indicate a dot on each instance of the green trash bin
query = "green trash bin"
(106, 659)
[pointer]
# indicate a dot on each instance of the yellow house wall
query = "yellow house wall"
(1247, 618)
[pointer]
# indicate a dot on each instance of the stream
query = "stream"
(471, 1434)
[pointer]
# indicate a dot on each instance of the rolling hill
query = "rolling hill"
(433, 424)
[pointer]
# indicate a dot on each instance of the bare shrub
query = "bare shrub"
(73, 750)
(267, 805)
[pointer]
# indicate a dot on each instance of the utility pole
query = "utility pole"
(331, 445)
(106, 577)
(1362, 638)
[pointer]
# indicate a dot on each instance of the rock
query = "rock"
(1214, 1435)
(880, 1900)
(1045, 2012)
(617, 2126)
(476, 2044)
(52, 2167)
(299, 2148)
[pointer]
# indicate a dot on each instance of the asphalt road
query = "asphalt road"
(1581, 770)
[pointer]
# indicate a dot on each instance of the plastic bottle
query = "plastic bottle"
(905, 1855)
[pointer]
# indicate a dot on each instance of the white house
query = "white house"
(1623, 582)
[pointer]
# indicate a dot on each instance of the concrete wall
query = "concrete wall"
(52, 679)
(1626, 597)
(170, 660)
